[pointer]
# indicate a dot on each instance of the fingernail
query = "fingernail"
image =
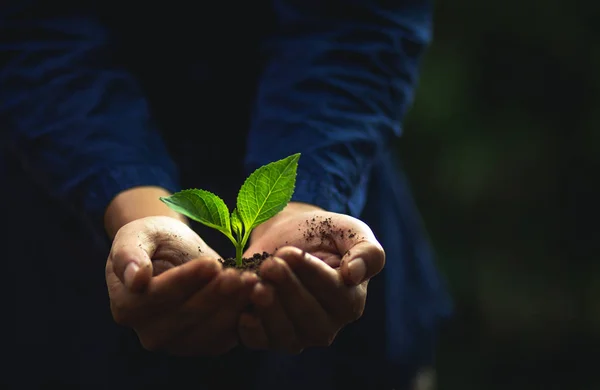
(129, 275)
(357, 270)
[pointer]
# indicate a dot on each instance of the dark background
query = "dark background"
(499, 146)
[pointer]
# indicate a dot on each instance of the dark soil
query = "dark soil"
(248, 264)
(322, 229)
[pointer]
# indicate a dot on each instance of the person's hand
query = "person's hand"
(168, 285)
(315, 284)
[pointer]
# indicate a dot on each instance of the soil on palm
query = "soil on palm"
(318, 228)
(325, 231)
(251, 264)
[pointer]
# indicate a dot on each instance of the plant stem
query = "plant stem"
(239, 248)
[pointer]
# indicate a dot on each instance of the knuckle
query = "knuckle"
(119, 313)
(119, 318)
(124, 231)
(150, 343)
(322, 339)
(119, 253)
(356, 311)
(379, 252)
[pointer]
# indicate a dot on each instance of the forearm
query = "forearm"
(134, 204)
(77, 120)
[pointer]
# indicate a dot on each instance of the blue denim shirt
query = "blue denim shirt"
(99, 97)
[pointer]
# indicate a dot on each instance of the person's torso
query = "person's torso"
(199, 72)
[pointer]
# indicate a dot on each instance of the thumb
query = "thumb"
(363, 261)
(130, 257)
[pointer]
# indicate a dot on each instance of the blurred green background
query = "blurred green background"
(496, 146)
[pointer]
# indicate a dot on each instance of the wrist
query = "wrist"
(136, 203)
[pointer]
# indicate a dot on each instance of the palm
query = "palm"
(177, 251)
(319, 233)
(303, 302)
(166, 241)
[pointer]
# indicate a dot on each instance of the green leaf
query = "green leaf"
(202, 206)
(267, 191)
(236, 224)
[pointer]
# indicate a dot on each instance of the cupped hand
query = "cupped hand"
(168, 285)
(315, 284)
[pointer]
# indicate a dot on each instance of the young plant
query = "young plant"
(264, 194)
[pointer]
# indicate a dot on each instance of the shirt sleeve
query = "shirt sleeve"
(78, 123)
(338, 79)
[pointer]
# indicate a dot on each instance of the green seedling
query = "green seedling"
(264, 194)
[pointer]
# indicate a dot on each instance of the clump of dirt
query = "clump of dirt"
(251, 264)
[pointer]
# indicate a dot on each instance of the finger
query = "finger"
(363, 256)
(167, 329)
(326, 284)
(302, 261)
(362, 261)
(252, 333)
(279, 329)
(130, 258)
(179, 283)
(210, 322)
(311, 322)
(228, 297)
(202, 302)
(163, 293)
